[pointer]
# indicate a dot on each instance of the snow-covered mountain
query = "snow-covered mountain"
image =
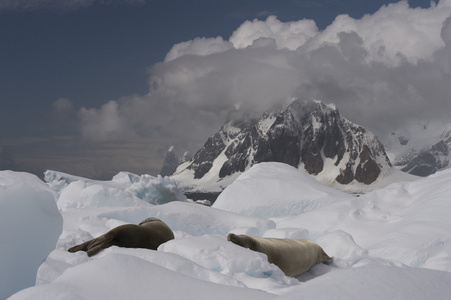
(310, 136)
(419, 149)
(172, 161)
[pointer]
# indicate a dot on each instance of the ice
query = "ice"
(393, 242)
(376, 282)
(190, 218)
(128, 277)
(80, 194)
(156, 190)
(347, 250)
(275, 189)
(125, 189)
(30, 225)
(215, 253)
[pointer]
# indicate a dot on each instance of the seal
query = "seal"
(293, 257)
(149, 234)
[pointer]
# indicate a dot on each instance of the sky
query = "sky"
(94, 87)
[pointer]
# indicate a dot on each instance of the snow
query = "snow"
(30, 225)
(264, 124)
(417, 137)
(126, 189)
(262, 192)
(392, 243)
(210, 182)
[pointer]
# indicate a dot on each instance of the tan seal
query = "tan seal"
(292, 256)
(150, 234)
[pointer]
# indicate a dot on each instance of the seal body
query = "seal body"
(292, 256)
(149, 234)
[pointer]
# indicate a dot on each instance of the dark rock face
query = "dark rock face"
(203, 159)
(403, 141)
(428, 161)
(170, 164)
(302, 135)
(186, 157)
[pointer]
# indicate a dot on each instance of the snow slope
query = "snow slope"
(393, 243)
(30, 225)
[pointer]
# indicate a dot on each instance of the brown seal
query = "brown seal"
(149, 234)
(292, 256)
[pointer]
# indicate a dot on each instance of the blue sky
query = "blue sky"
(62, 61)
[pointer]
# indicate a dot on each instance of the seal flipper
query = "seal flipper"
(326, 258)
(93, 246)
(81, 247)
(98, 244)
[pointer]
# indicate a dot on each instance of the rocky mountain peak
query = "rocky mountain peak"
(421, 150)
(310, 136)
(171, 162)
(427, 161)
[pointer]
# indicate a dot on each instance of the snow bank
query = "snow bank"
(125, 189)
(81, 193)
(216, 253)
(30, 225)
(404, 222)
(192, 219)
(275, 189)
(128, 277)
(376, 282)
(391, 243)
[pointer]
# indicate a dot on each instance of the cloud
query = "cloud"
(290, 35)
(56, 5)
(394, 32)
(62, 106)
(198, 46)
(104, 124)
(382, 71)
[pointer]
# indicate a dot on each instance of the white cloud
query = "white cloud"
(381, 71)
(252, 76)
(393, 32)
(198, 46)
(104, 124)
(290, 35)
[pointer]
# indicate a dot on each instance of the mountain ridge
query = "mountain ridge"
(310, 136)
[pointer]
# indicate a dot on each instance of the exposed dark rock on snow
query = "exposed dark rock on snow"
(403, 141)
(203, 159)
(427, 161)
(170, 164)
(186, 157)
(199, 196)
(307, 135)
